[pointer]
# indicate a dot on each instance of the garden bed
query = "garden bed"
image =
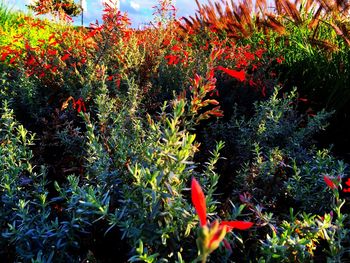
(201, 139)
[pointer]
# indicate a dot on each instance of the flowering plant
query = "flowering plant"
(211, 236)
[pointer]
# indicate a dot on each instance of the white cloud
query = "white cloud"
(135, 5)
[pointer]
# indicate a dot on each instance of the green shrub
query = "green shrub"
(28, 223)
(281, 162)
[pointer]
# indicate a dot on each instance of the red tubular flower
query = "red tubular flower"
(241, 225)
(259, 53)
(166, 42)
(13, 60)
(172, 59)
(175, 48)
(4, 56)
(52, 52)
(30, 60)
(240, 75)
(280, 60)
(215, 112)
(211, 236)
(81, 105)
(198, 200)
(248, 55)
(347, 190)
(329, 182)
(217, 236)
(65, 57)
(197, 79)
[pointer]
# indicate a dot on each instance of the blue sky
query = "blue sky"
(140, 11)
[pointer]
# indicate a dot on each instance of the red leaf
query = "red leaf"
(241, 225)
(198, 200)
(240, 75)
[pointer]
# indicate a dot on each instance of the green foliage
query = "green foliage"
(143, 255)
(144, 167)
(7, 15)
(284, 165)
(26, 219)
(276, 124)
(307, 179)
(297, 239)
(123, 165)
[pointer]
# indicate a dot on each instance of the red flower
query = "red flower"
(166, 42)
(4, 56)
(52, 52)
(280, 60)
(31, 60)
(65, 57)
(248, 55)
(172, 59)
(13, 60)
(175, 48)
(240, 75)
(215, 112)
(213, 235)
(329, 182)
(198, 200)
(241, 225)
(347, 190)
(81, 105)
(259, 53)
